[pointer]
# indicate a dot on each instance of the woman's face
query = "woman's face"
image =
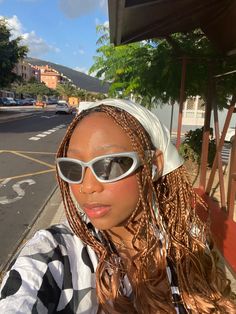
(107, 205)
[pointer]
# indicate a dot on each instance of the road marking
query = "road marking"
(29, 174)
(45, 133)
(34, 159)
(17, 188)
(22, 154)
(5, 181)
(41, 135)
(48, 117)
(26, 152)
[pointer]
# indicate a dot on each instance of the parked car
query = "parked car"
(63, 107)
(230, 134)
(51, 102)
(28, 102)
(8, 101)
(2, 101)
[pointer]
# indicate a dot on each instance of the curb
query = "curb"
(15, 117)
(34, 226)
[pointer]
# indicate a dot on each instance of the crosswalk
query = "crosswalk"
(46, 133)
(225, 154)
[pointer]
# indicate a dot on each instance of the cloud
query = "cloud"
(81, 51)
(98, 22)
(77, 8)
(83, 70)
(15, 26)
(37, 45)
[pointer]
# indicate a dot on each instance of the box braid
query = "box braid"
(184, 241)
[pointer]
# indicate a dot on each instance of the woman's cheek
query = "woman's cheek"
(125, 188)
(75, 191)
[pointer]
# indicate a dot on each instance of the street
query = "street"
(29, 139)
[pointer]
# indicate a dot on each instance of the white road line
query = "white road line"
(48, 132)
(48, 117)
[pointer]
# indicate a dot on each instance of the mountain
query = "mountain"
(81, 80)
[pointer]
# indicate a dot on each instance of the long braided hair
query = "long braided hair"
(167, 230)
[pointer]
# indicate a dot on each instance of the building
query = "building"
(194, 111)
(26, 71)
(49, 76)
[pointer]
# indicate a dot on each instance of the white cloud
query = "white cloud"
(98, 22)
(106, 23)
(81, 69)
(77, 8)
(37, 45)
(81, 51)
(15, 26)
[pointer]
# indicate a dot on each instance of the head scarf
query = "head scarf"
(158, 133)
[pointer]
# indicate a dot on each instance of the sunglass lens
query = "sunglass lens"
(70, 170)
(112, 167)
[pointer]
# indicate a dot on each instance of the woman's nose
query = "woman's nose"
(90, 183)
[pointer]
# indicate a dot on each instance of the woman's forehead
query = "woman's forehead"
(99, 131)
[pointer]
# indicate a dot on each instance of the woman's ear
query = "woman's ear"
(157, 165)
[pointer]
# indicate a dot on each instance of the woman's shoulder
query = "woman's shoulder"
(57, 237)
(54, 259)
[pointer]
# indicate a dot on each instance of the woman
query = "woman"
(134, 243)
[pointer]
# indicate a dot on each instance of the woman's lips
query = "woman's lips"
(96, 210)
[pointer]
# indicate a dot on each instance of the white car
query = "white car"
(230, 134)
(63, 107)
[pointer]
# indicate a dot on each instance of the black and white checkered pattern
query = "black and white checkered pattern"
(55, 273)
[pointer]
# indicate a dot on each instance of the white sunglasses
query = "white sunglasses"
(106, 168)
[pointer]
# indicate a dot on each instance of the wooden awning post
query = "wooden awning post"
(206, 131)
(232, 181)
(221, 142)
(181, 100)
(218, 155)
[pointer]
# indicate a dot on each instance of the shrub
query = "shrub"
(191, 147)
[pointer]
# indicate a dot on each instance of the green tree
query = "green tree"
(66, 90)
(11, 51)
(34, 89)
(150, 70)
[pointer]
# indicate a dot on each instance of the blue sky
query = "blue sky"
(60, 31)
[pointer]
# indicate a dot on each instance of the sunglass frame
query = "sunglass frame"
(133, 155)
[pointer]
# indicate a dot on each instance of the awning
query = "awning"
(135, 20)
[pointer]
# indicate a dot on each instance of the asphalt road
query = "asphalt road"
(28, 142)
